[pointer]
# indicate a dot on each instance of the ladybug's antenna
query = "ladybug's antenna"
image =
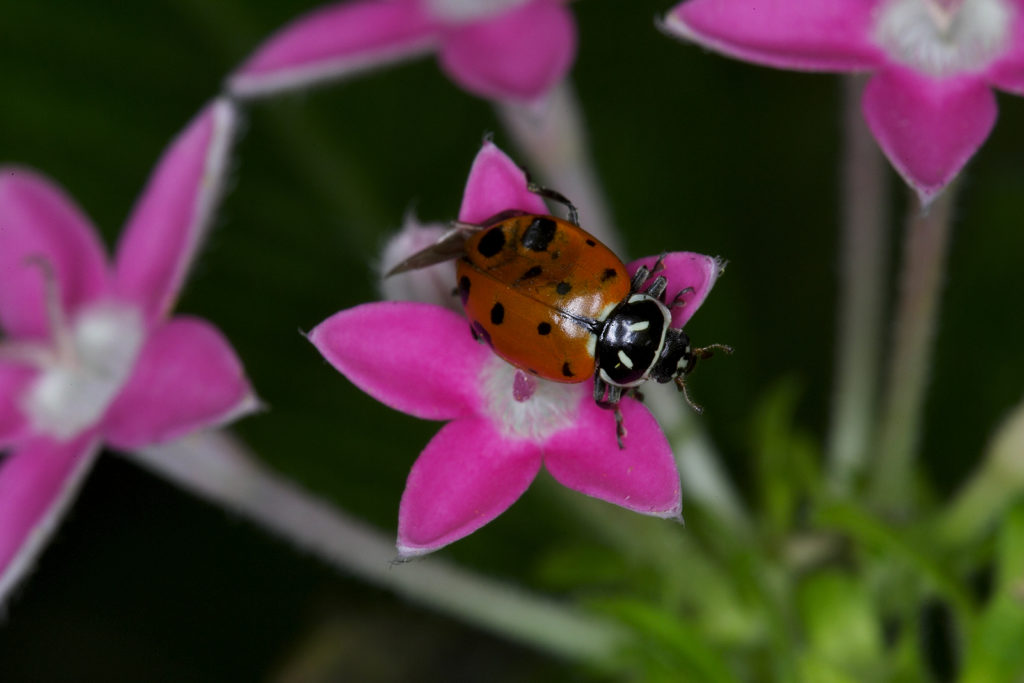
(698, 354)
(709, 350)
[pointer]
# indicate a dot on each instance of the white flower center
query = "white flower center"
(549, 409)
(943, 37)
(460, 11)
(77, 384)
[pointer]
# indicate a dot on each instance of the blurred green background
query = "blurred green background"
(695, 152)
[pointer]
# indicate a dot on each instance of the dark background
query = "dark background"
(695, 152)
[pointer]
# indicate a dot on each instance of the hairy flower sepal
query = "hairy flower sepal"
(422, 360)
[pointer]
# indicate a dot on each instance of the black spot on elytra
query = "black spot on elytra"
(539, 234)
(464, 289)
(566, 370)
(563, 288)
(608, 274)
(544, 328)
(491, 243)
(532, 272)
(591, 243)
(497, 313)
(480, 333)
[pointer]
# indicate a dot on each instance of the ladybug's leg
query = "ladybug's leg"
(678, 300)
(639, 278)
(657, 288)
(554, 195)
(611, 401)
(643, 274)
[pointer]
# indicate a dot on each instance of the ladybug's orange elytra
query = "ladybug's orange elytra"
(533, 286)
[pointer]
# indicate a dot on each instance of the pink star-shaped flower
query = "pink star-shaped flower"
(505, 49)
(929, 104)
(421, 359)
(89, 355)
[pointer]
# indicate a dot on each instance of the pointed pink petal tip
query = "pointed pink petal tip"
(414, 357)
(496, 184)
(808, 35)
(43, 233)
(335, 41)
(641, 477)
(928, 128)
(38, 481)
(466, 476)
(690, 276)
(187, 378)
(174, 211)
(519, 55)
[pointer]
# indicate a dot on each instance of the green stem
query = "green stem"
(219, 468)
(863, 260)
(924, 263)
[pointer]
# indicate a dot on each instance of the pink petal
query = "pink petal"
(684, 270)
(466, 476)
(174, 212)
(641, 477)
(518, 55)
(810, 35)
(37, 483)
(417, 358)
(1007, 72)
(496, 184)
(39, 221)
(335, 41)
(928, 128)
(187, 378)
(13, 381)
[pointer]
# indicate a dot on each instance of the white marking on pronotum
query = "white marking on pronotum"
(640, 326)
(626, 360)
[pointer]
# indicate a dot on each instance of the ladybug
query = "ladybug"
(552, 300)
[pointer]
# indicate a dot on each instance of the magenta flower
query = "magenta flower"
(421, 359)
(929, 104)
(499, 49)
(89, 355)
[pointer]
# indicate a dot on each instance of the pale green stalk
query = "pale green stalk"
(220, 469)
(863, 255)
(997, 482)
(916, 317)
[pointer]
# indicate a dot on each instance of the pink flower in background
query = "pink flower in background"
(88, 354)
(929, 103)
(500, 49)
(504, 425)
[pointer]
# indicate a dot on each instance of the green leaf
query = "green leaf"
(841, 626)
(898, 545)
(668, 646)
(996, 652)
(786, 457)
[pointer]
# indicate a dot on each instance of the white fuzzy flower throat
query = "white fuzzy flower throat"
(944, 38)
(549, 409)
(78, 383)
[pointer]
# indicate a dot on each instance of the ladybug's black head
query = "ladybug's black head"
(676, 359)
